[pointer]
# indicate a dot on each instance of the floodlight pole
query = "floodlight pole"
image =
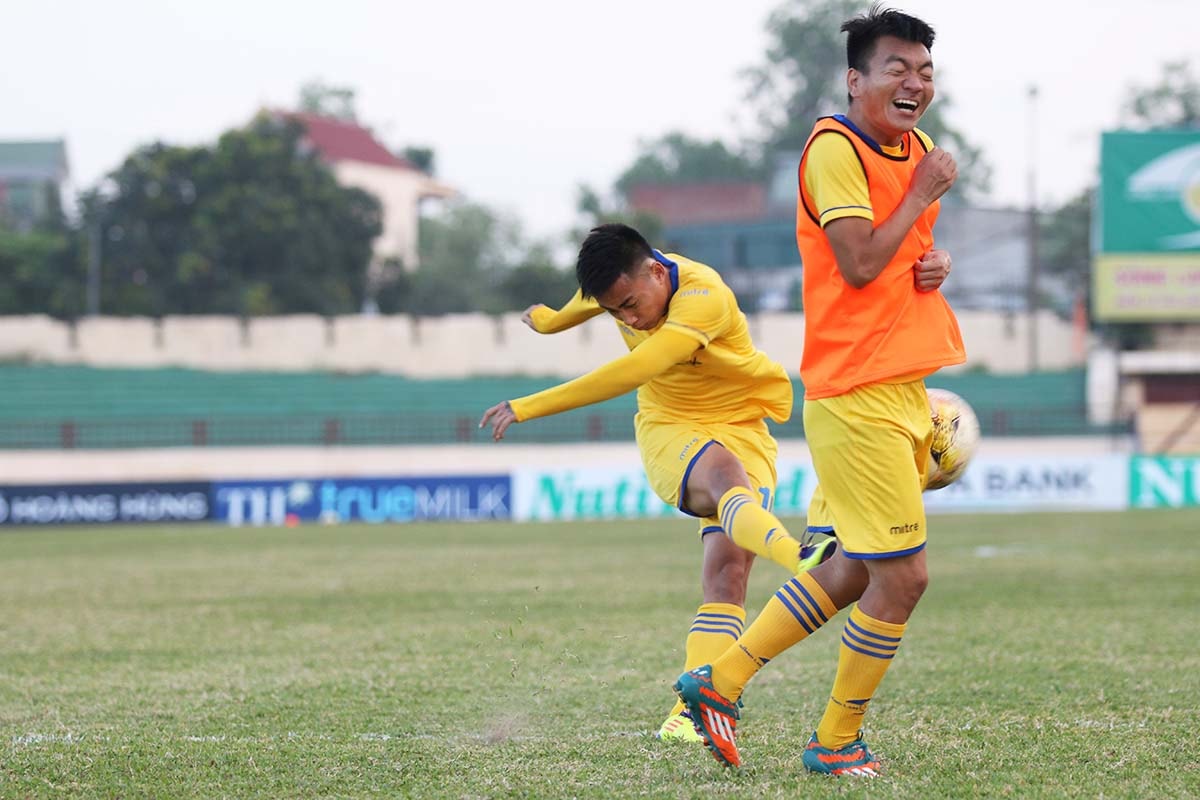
(1032, 298)
(93, 273)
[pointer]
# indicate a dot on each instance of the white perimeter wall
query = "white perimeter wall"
(199, 464)
(452, 346)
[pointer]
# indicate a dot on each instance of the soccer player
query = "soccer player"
(875, 327)
(704, 393)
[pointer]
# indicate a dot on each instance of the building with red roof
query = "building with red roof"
(358, 159)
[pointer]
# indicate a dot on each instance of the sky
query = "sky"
(525, 100)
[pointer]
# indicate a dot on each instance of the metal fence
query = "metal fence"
(430, 428)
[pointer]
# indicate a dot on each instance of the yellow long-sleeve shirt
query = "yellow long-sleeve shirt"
(699, 364)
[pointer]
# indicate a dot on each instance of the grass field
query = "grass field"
(1053, 656)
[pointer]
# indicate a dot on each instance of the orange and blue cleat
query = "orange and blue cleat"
(714, 716)
(853, 759)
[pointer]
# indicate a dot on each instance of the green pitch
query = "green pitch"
(1053, 656)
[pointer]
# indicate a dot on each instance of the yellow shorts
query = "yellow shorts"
(870, 450)
(670, 450)
(819, 519)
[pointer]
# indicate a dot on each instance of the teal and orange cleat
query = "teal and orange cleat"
(678, 728)
(715, 716)
(853, 759)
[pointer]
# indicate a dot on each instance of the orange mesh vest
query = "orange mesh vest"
(886, 329)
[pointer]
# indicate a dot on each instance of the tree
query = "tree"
(1173, 102)
(43, 273)
(423, 158)
(1063, 240)
(537, 280)
(42, 262)
(804, 78)
(473, 259)
(465, 253)
(595, 210)
(974, 173)
(318, 97)
(254, 225)
(678, 158)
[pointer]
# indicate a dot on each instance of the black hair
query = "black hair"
(607, 252)
(865, 30)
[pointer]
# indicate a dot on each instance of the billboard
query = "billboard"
(1036, 483)
(559, 494)
(1147, 257)
(103, 503)
(995, 483)
(460, 498)
(1164, 482)
(570, 493)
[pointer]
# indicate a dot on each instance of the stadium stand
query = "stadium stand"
(68, 407)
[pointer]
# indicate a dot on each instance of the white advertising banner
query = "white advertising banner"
(1037, 483)
(566, 493)
(1001, 483)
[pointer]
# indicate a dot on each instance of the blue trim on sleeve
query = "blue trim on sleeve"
(839, 208)
(820, 529)
(895, 554)
(707, 529)
(687, 473)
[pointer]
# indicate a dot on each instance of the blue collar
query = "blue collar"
(860, 133)
(672, 269)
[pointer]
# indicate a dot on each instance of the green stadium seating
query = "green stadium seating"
(82, 407)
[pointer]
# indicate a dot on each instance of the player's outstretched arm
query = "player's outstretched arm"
(499, 416)
(544, 319)
(655, 355)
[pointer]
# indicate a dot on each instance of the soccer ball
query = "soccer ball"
(955, 438)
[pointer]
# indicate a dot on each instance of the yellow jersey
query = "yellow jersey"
(699, 364)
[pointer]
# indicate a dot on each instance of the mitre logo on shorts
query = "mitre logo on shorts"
(908, 527)
(687, 448)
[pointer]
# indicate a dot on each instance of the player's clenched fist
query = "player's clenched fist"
(931, 271)
(934, 175)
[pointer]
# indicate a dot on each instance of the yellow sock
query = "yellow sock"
(868, 645)
(797, 610)
(715, 628)
(753, 528)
